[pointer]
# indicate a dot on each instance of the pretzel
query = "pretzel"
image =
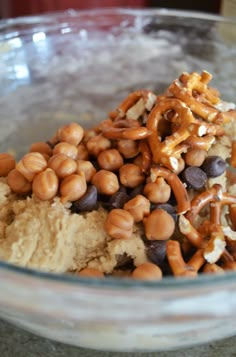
(206, 111)
(126, 123)
(198, 83)
(176, 261)
(177, 186)
(120, 128)
(162, 151)
(126, 133)
(232, 215)
(210, 235)
(216, 197)
(190, 232)
(108, 124)
(200, 127)
(229, 265)
(227, 261)
(233, 154)
(197, 260)
(146, 156)
(214, 247)
(203, 143)
(135, 104)
(213, 269)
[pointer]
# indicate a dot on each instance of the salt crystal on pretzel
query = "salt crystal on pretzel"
(215, 247)
(229, 233)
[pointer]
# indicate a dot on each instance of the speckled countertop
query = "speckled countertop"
(16, 342)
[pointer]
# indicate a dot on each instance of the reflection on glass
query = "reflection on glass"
(39, 36)
(21, 71)
(15, 42)
(66, 30)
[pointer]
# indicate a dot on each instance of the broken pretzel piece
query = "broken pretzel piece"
(205, 103)
(135, 105)
(211, 236)
(176, 261)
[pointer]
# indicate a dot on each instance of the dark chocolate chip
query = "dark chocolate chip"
(156, 251)
(124, 261)
(118, 200)
(194, 177)
(88, 202)
(172, 200)
(166, 207)
(138, 190)
(50, 144)
(122, 188)
(95, 164)
(104, 200)
(214, 166)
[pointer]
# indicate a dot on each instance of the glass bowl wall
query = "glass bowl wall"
(77, 66)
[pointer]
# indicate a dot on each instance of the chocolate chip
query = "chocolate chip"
(118, 200)
(86, 203)
(104, 200)
(50, 144)
(172, 200)
(167, 207)
(124, 261)
(138, 190)
(122, 188)
(156, 251)
(194, 177)
(214, 166)
(95, 164)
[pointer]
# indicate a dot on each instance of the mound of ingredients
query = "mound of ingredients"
(144, 194)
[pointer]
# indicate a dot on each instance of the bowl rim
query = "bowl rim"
(111, 282)
(44, 19)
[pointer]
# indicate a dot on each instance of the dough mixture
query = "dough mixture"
(144, 194)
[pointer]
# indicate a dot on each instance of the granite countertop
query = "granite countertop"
(16, 342)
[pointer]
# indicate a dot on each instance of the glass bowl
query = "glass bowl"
(78, 66)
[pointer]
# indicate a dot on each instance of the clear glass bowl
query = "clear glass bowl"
(78, 66)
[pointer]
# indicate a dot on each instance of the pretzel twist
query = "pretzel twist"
(162, 151)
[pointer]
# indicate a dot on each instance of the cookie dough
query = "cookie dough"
(46, 235)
